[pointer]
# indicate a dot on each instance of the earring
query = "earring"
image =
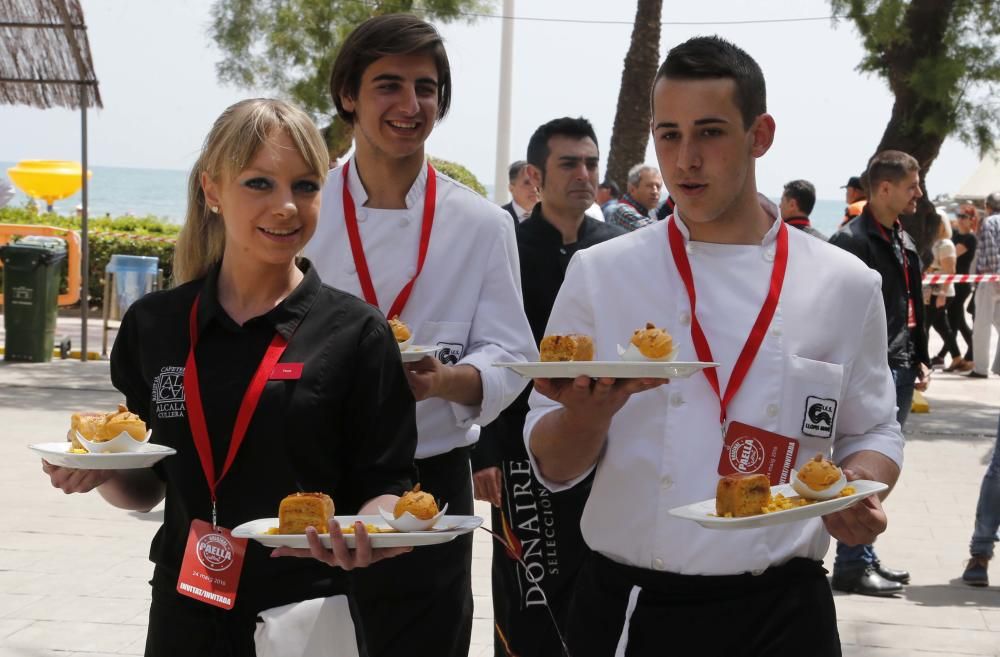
(214, 209)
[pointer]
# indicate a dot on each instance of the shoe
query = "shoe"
(937, 361)
(976, 375)
(975, 571)
(892, 574)
(966, 366)
(955, 365)
(866, 582)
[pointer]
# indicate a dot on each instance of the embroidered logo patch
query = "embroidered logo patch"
(818, 419)
(450, 352)
(168, 392)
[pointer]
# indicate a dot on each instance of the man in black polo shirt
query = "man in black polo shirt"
(877, 237)
(797, 201)
(562, 161)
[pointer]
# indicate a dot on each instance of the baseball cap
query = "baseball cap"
(854, 182)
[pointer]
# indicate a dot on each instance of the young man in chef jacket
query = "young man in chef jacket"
(812, 380)
(444, 259)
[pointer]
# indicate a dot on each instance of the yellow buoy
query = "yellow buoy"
(51, 180)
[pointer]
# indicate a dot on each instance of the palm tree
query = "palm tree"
(631, 130)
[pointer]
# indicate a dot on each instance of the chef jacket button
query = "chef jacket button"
(351, 271)
(362, 218)
(769, 255)
(411, 272)
(776, 331)
(689, 247)
(666, 482)
(676, 399)
(772, 410)
(658, 563)
(685, 318)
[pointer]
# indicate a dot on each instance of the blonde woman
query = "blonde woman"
(940, 296)
(965, 250)
(266, 382)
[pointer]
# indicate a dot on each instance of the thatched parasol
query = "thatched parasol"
(45, 62)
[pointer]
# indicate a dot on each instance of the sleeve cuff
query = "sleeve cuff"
(500, 388)
(886, 439)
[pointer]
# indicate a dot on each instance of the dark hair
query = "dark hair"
(803, 193)
(381, 36)
(612, 188)
(514, 170)
(710, 57)
(890, 166)
(538, 145)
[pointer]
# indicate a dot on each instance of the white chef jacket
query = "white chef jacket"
(827, 340)
(467, 298)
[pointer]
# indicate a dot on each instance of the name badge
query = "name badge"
(749, 450)
(213, 562)
(286, 372)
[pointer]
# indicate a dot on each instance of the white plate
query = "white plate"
(703, 512)
(58, 454)
(416, 352)
(448, 528)
(610, 369)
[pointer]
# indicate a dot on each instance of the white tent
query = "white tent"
(985, 180)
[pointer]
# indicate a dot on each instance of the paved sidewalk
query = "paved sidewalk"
(74, 572)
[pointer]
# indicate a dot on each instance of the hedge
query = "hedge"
(459, 173)
(144, 236)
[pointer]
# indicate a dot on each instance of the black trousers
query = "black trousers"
(938, 318)
(179, 626)
(956, 318)
(420, 603)
(787, 610)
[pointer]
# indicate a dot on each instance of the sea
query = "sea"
(117, 191)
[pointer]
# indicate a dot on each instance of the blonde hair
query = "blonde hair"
(229, 147)
(944, 230)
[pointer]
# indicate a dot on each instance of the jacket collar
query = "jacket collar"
(414, 197)
(540, 227)
(875, 229)
(285, 317)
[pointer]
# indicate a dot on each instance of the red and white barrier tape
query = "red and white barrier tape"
(944, 279)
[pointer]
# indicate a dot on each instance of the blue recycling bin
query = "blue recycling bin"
(133, 276)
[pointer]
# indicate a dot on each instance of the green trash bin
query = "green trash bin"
(31, 274)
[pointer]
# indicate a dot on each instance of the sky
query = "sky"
(156, 66)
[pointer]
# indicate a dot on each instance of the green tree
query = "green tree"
(941, 60)
(630, 134)
(290, 46)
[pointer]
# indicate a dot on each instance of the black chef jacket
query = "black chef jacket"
(526, 627)
(347, 427)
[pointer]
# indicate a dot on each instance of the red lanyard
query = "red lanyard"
(358, 249)
(756, 337)
(196, 413)
(902, 252)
